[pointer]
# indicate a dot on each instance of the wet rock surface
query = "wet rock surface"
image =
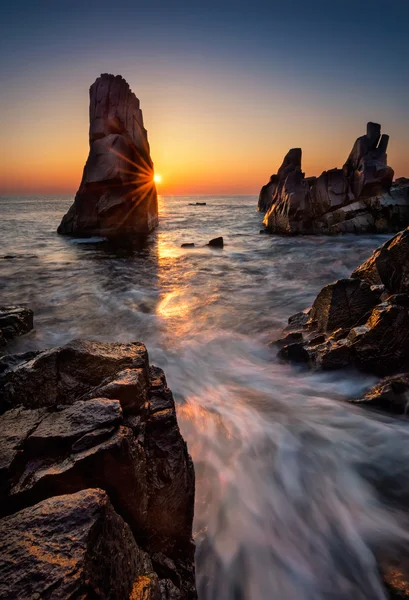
(117, 194)
(69, 546)
(95, 416)
(362, 322)
(360, 197)
(14, 321)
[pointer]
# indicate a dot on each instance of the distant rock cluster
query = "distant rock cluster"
(117, 195)
(361, 197)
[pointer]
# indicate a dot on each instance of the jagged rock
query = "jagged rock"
(361, 321)
(187, 245)
(70, 546)
(391, 394)
(96, 415)
(366, 167)
(342, 304)
(216, 243)
(358, 198)
(117, 195)
(71, 372)
(14, 321)
(388, 265)
(270, 191)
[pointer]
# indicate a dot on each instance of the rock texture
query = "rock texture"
(73, 546)
(361, 321)
(14, 321)
(117, 195)
(91, 455)
(358, 198)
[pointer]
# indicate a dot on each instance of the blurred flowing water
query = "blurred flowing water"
(296, 489)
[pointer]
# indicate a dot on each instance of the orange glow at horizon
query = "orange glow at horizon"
(201, 144)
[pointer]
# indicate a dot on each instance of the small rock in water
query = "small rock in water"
(190, 245)
(197, 204)
(216, 243)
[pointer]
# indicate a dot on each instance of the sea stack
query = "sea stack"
(359, 198)
(117, 194)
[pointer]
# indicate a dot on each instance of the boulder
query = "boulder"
(117, 194)
(358, 198)
(69, 546)
(14, 321)
(216, 243)
(94, 415)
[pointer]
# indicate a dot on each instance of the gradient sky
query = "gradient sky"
(226, 87)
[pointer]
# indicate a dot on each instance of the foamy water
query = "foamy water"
(296, 489)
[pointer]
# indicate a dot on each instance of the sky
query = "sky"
(226, 88)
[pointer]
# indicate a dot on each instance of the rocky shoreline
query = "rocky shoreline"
(361, 322)
(97, 486)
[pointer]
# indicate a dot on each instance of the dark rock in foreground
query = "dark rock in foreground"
(76, 420)
(70, 546)
(14, 321)
(117, 195)
(358, 198)
(363, 322)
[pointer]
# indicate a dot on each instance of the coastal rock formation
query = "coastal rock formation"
(14, 321)
(291, 163)
(358, 198)
(91, 451)
(117, 195)
(361, 321)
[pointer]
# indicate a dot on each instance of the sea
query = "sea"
(297, 490)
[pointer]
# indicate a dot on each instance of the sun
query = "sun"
(157, 178)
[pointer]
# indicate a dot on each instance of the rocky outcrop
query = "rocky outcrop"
(362, 321)
(14, 321)
(358, 198)
(117, 195)
(272, 190)
(91, 451)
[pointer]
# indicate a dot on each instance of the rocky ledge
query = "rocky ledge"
(363, 322)
(117, 195)
(96, 484)
(360, 197)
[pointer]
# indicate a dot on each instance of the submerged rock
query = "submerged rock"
(358, 198)
(117, 195)
(362, 321)
(14, 321)
(88, 416)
